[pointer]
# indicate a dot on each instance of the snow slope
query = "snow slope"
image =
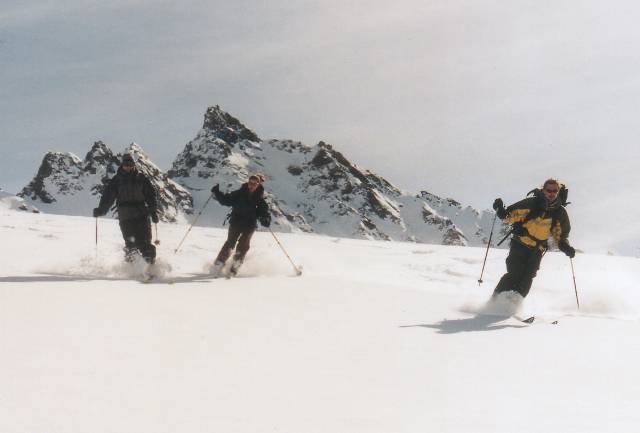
(10, 201)
(373, 337)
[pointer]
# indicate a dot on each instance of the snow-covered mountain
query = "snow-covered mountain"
(313, 189)
(65, 184)
(317, 189)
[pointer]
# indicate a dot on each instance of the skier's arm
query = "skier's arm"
(262, 212)
(563, 227)
(262, 209)
(108, 196)
(518, 211)
(225, 199)
(151, 199)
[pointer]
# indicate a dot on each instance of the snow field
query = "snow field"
(374, 337)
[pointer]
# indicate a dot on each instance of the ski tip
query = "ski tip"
(529, 319)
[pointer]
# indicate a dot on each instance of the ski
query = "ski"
(147, 279)
(530, 320)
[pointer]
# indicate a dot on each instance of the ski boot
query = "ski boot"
(216, 269)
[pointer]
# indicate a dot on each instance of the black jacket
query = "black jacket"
(134, 194)
(246, 207)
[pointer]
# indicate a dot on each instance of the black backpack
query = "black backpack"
(563, 194)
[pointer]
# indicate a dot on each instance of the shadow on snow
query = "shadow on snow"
(480, 322)
(53, 277)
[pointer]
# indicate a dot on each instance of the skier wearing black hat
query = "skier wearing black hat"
(136, 202)
(247, 207)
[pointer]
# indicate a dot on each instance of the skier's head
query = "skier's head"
(550, 189)
(127, 162)
(253, 183)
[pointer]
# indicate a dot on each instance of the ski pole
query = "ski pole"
(157, 241)
(575, 287)
(488, 245)
(193, 223)
(504, 238)
(298, 270)
(96, 239)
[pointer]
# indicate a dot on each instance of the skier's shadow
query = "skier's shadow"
(42, 278)
(479, 322)
(53, 277)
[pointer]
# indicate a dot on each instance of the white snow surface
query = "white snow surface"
(373, 337)
(10, 201)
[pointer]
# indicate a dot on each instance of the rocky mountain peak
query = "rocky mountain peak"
(227, 127)
(317, 189)
(67, 185)
(101, 157)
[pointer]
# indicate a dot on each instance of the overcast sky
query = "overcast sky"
(467, 99)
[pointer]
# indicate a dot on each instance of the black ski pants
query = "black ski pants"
(523, 263)
(137, 236)
(240, 235)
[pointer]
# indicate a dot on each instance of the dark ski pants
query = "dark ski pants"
(522, 266)
(240, 236)
(137, 236)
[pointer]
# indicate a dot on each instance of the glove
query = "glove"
(519, 230)
(498, 206)
(567, 249)
(216, 188)
(154, 217)
(265, 220)
(98, 212)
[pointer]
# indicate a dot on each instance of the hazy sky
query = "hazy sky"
(467, 99)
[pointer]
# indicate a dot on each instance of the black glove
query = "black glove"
(498, 206)
(216, 188)
(567, 249)
(154, 217)
(98, 212)
(265, 220)
(519, 230)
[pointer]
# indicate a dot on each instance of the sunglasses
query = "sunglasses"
(551, 191)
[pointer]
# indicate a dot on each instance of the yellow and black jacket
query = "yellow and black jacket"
(541, 221)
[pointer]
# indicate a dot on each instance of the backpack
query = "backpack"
(563, 194)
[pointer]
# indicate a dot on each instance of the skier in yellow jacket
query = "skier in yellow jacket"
(534, 220)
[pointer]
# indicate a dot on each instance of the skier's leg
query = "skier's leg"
(530, 272)
(143, 239)
(244, 243)
(128, 234)
(516, 266)
(232, 237)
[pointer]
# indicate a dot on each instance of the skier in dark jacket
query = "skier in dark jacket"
(534, 220)
(136, 202)
(247, 207)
